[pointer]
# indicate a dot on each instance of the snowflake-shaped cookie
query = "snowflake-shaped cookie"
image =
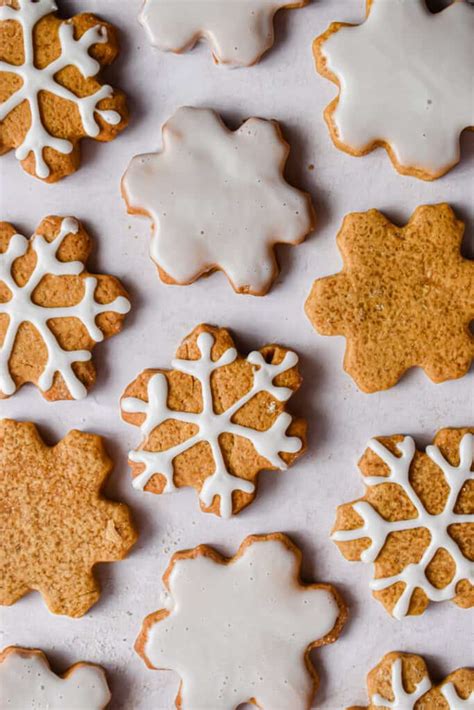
(241, 629)
(50, 98)
(401, 680)
(27, 681)
(218, 200)
(237, 31)
(215, 420)
(415, 522)
(404, 298)
(405, 81)
(56, 524)
(52, 311)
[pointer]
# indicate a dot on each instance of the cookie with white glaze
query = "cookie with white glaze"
(255, 619)
(51, 94)
(27, 681)
(238, 32)
(215, 420)
(405, 83)
(218, 200)
(402, 680)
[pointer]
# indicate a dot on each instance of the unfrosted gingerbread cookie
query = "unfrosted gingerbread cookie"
(27, 681)
(415, 523)
(237, 31)
(405, 83)
(50, 93)
(215, 420)
(53, 311)
(56, 524)
(241, 629)
(218, 200)
(405, 297)
(401, 680)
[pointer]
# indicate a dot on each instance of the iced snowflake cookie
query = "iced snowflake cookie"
(218, 200)
(50, 94)
(237, 31)
(405, 83)
(257, 622)
(27, 681)
(56, 524)
(52, 311)
(415, 523)
(404, 298)
(215, 420)
(401, 680)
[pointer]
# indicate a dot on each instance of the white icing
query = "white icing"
(27, 681)
(237, 31)
(454, 701)
(21, 308)
(378, 529)
(406, 78)
(240, 631)
(73, 53)
(211, 426)
(217, 198)
(402, 700)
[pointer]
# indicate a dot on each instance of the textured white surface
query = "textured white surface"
(301, 501)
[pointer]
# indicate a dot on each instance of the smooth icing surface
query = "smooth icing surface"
(240, 631)
(217, 198)
(211, 426)
(454, 701)
(406, 78)
(237, 31)
(21, 308)
(26, 681)
(378, 529)
(402, 700)
(73, 52)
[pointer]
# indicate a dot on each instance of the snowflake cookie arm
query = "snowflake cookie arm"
(52, 311)
(54, 98)
(215, 420)
(237, 33)
(247, 603)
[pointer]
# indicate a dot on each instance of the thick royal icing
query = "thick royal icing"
(240, 630)
(378, 529)
(454, 701)
(27, 681)
(211, 426)
(405, 76)
(217, 199)
(402, 700)
(237, 31)
(73, 52)
(21, 308)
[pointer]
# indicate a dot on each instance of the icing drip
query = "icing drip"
(211, 426)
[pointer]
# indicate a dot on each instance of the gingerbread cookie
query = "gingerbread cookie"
(27, 681)
(255, 619)
(218, 200)
(56, 523)
(404, 298)
(50, 94)
(405, 83)
(53, 311)
(415, 522)
(401, 680)
(215, 420)
(237, 32)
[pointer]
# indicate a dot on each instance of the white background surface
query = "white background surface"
(341, 419)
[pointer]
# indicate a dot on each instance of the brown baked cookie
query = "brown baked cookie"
(404, 298)
(27, 681)
(401, 680)
(241, 629)
(215, 420)
(53, 311)
(56, 524)
(50, 93)
(415, 523)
